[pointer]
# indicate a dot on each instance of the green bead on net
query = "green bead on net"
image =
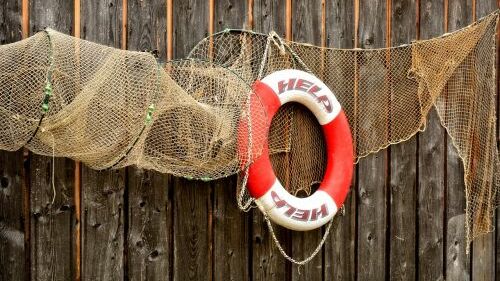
(45, 107)
(48, 89)
(149, 115)
(206, 179)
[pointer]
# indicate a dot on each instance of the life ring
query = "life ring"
(272, 198)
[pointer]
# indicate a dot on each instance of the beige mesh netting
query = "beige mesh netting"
(110, 108)
(386, 94)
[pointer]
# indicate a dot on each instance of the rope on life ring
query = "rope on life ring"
(271, 197)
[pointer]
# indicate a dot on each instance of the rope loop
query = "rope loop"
(273, 36)
(289, 258)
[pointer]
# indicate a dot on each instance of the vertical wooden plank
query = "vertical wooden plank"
(12, 232)
(52, 225)
(102, 201)
(149, 225)
(192, 199)
(192, 248)
(267, 262)
(230, 14)
(340, 24)
(340, 251)
(431, 168)
(268, 16)
(56, 14)
(231, 234)
(102, 224)
(457, 262)
(306, 27)
(231, 226)
(12, 262)
(483, 258)
(148, 202)
(101, 22)
(483, 253)
(147, 26)
(403, 162)
(372, 170)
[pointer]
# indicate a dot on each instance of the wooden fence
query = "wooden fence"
(404, 218)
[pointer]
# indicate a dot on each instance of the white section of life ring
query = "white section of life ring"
(295, 213)
(322, 103)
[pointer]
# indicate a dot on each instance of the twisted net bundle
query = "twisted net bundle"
(111, 108)
(387, 94)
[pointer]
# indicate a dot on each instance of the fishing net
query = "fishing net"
(387, 95)
(110, 108)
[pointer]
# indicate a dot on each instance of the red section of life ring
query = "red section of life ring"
(272, 198)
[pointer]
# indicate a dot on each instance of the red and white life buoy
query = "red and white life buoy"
(283, 208)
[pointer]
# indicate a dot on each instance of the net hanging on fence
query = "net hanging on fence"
(111, 108)
(387, 94)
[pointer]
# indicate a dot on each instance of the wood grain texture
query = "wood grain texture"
(102, 191)
(149, 207)
(457, 263)
(268, 16)
(101, 21)
(190, 25)
(12, 252)
(149, 225)
(52, 225)
(231, 234)
(102, 224)
(231, 227)
(431, 165)
(483, 258)
(192, 199)
(403, 171)
(147, 26)
(372, 170)
(230, 14)
(56, 14)
(340, 24)
(192, 248)
(51, 234)
(12, 233)
(340, 250)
